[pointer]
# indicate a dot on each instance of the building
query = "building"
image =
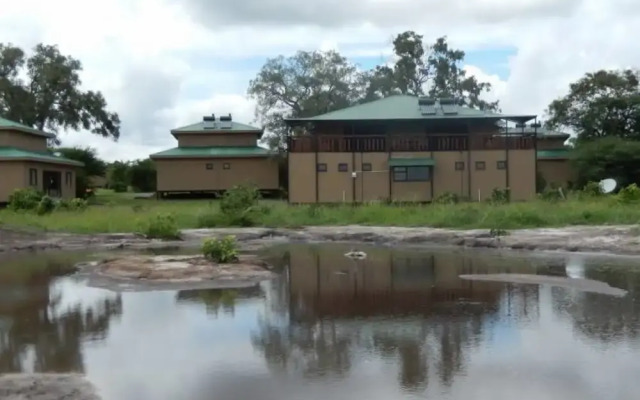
(25, 162)
(214, 155)
(554, 168)
(406, 148)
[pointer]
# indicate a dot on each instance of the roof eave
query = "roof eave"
(43, 160)
(30, 131)
(156, 156)
(513, 118)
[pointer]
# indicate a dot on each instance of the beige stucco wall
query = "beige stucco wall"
(22, 140)
(15, 175)
(192, 174)
(217, 139)
(556, 172)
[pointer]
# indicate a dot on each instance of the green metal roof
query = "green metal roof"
(411, 162)
(11, 153)
(6, 124)
(403, 107)
(212, 152)
(217, 128)
(555, 153)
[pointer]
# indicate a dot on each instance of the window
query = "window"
(343, 167)
(209, 166)
(67, 178)
(322, 167)
(226, 166)
(33, 177)
(480, 166)
(459, 165)
(411, 174)
(366, 167)
(502, 165)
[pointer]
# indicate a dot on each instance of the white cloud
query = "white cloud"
(161, 65)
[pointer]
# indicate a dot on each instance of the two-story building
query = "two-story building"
(214, 155)
(407, 148)
(25, 162)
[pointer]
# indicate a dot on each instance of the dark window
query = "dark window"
(67, 178)
(480, 166)
(459, 165)
(226, 166)
(366, 167)
(343, 167)
(322, 167)
(33, 177)
(209, 166)
(502, 165)
(411, 174)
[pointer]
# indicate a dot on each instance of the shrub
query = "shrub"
(239, 205)
(208, 219)
(119, 187)
(161, 226)
(550, 194)
(629, 193)
(447, 198)
(592, 189)
(25, 199)
(46, 205)
(76, 204)
(500, 196)
(498, 232)
(221, 250)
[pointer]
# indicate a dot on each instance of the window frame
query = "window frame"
(33, 177)
(226, 165)
(459, 166)
(343, 167)
(68, 178)
(399, 171)
(321, 167)
(367, 167)
(501, 164)
(209, 166)
(481, 166)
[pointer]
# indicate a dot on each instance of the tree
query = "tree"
(603, 103)
(142, 175)
(435, 70)
(93, 166)
(608, 157)
(43, 91)
(118, 176)
(303, 85)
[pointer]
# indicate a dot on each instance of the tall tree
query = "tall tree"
(435, 70)
(43, 91)
(603, 103)
(303, 85)
(142, 174)
(93, 166)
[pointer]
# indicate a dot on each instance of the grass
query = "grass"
(112, 212)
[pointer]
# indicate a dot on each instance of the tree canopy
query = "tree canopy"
(43, 90)
(312, 83)
(601, 104)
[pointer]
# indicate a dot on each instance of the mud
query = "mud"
(585, 285)
(623, 240)
(46, 387)
(174, 272)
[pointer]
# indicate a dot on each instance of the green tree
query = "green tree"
(608, 157)
(119, 176)
(601, 104)
(93, 166)
(142, 175)
(303, 85)
(43, 91)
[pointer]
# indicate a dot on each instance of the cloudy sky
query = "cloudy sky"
(165, 63)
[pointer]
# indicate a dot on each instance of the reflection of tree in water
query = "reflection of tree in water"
(215, 300)
(36, 324)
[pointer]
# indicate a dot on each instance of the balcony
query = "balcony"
(399, 143)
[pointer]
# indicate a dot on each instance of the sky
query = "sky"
(162, 64)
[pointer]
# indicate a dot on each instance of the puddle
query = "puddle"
(394, 325)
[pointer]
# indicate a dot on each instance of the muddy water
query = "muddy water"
(397, 325)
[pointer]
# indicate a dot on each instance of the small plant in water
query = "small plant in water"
(161, 226)
(498, 232)
(222, 250)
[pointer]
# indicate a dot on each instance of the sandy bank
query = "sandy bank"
(623, 240)
(46, 387)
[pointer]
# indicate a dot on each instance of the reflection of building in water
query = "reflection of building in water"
(326, 284)
(216, 299)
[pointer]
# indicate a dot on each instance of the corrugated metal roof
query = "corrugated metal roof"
(200, 128)
(212, 152)
(11, 153)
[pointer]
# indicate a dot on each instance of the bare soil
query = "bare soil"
(623, 240)
(46, 387)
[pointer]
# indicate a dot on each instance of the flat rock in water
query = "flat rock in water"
(586, 285)
(46, 387)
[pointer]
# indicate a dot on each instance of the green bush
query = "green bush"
(550, 194)
(629, 194)
(592, 189)
(76, 204)
(46, 205)
(221, 250)
(161, 226)
(447, 198)
(119, 187)
(25, 199)
(500, 196)
(209, 219)
(240, 205)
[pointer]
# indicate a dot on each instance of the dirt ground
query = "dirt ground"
(46, 387)
(622, 240)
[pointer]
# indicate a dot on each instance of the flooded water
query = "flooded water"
(397, 325)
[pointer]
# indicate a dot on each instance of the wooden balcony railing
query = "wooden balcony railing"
(366, 144)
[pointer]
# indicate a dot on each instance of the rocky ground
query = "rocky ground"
(623, 240)
(46, 387)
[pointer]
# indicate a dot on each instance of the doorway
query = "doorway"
(52, 183)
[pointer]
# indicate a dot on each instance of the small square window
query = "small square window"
(33, 177)
(366, 167)
(502, 165)
(226, 166)
(459, 165)
(480, 166)
(343, 167)
(209, 166)
(322, 167)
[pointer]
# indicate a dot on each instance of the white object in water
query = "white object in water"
(608, 185)
(355, 254)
